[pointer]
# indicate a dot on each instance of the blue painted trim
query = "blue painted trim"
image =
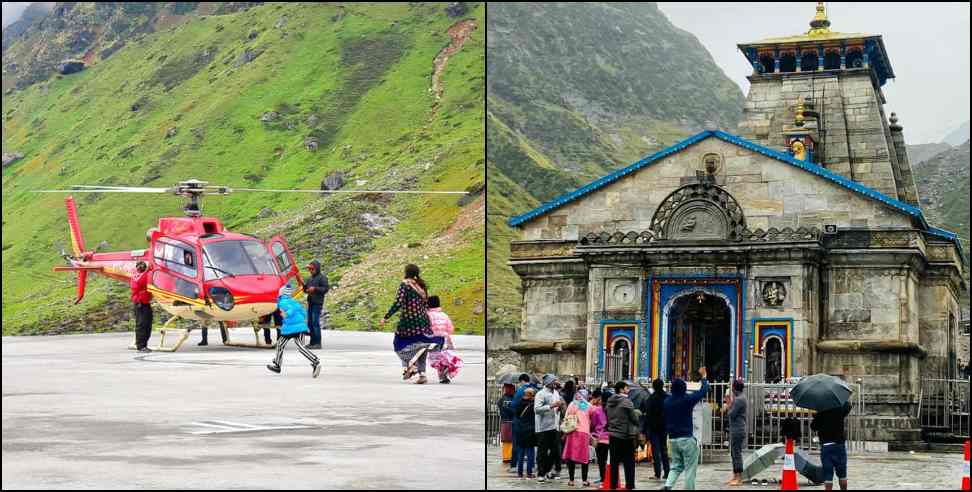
(792, 342)
(950, 236)
(733, 139)
(649, 316)
(603, 343)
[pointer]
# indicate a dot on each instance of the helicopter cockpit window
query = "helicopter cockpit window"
(230, 258)
(176, 257)
(283, 259)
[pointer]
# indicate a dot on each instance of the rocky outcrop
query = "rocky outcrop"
(333, 181)
(11, 158)
(456, 9)
(68, 67)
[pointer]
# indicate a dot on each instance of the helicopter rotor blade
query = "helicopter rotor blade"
(97, 191)
(139, 188)
(414, 192)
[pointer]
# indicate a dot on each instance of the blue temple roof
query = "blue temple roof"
(810, 167)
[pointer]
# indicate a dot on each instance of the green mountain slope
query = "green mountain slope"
(273, 96)
(576, 90)
(943, 185)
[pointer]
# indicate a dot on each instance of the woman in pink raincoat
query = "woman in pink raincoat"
(577, 445)
(445, 361)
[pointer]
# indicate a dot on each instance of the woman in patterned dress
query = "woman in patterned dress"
(413, 336)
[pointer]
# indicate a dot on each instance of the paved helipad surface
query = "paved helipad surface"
(81, 411)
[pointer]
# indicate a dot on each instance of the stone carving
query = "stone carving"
(773, 235)
(774, 293)
(712, 163)
(621, 294)
(787, 234)
(699, 211)
(688, 225)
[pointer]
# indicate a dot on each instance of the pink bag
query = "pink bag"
(447, 360)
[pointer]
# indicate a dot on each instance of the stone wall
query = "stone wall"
(616, 293)
(857, 142)
(771, 194)
(939, 327)
(875, 301)
(802, 285)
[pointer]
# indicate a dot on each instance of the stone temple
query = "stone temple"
(798, 242)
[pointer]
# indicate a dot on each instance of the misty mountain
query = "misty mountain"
(575, 90)
(958, 135)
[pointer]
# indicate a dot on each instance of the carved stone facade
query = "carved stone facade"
(667, 267)
(723, 247)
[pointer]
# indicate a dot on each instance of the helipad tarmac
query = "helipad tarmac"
(82, 411)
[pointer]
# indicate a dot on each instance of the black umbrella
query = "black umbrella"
(637, 395)
(820, 392)
(513, 378)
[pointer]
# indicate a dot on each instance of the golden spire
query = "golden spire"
(819, 25)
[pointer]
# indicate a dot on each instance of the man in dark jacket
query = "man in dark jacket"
(523, 382)
(316, 287)
(678, 424)
(507, 414)
(622, 425)
(655, 429)
(829, 425)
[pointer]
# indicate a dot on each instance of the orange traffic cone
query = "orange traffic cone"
(789, 481)
(965, 468)
(606, 484)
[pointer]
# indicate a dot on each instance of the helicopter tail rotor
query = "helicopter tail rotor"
(77, 240)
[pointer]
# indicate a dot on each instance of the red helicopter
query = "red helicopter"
(200, 270)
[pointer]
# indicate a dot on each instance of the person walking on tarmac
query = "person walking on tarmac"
(294, 325)
(315, 286)
(141, 302)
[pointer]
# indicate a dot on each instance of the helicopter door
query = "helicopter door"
(178, 269)
(285, 260)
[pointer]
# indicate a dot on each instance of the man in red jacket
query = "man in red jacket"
(141, 300)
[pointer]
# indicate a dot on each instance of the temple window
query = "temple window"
(855, 59)
(787, 62)
(832, 60)
(808, 62)
(767, 63)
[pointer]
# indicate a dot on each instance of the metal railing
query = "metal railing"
(493, 394)
(614, 367)
(768, 406)
(943, 407)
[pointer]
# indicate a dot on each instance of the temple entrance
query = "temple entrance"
(773, 349)
(700, 334)
(620, 362)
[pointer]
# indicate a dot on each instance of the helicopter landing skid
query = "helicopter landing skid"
(257, 343)
(182, 332)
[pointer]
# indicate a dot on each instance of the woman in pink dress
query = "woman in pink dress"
(445, 361)
(599, 431)
(577, 446)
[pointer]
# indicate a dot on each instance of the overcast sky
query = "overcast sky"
(12, 11)
(927, 43)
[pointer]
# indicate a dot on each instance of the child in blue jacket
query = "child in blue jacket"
(294, 325)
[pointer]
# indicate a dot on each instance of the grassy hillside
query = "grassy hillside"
(577, 90)
(190, 100)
